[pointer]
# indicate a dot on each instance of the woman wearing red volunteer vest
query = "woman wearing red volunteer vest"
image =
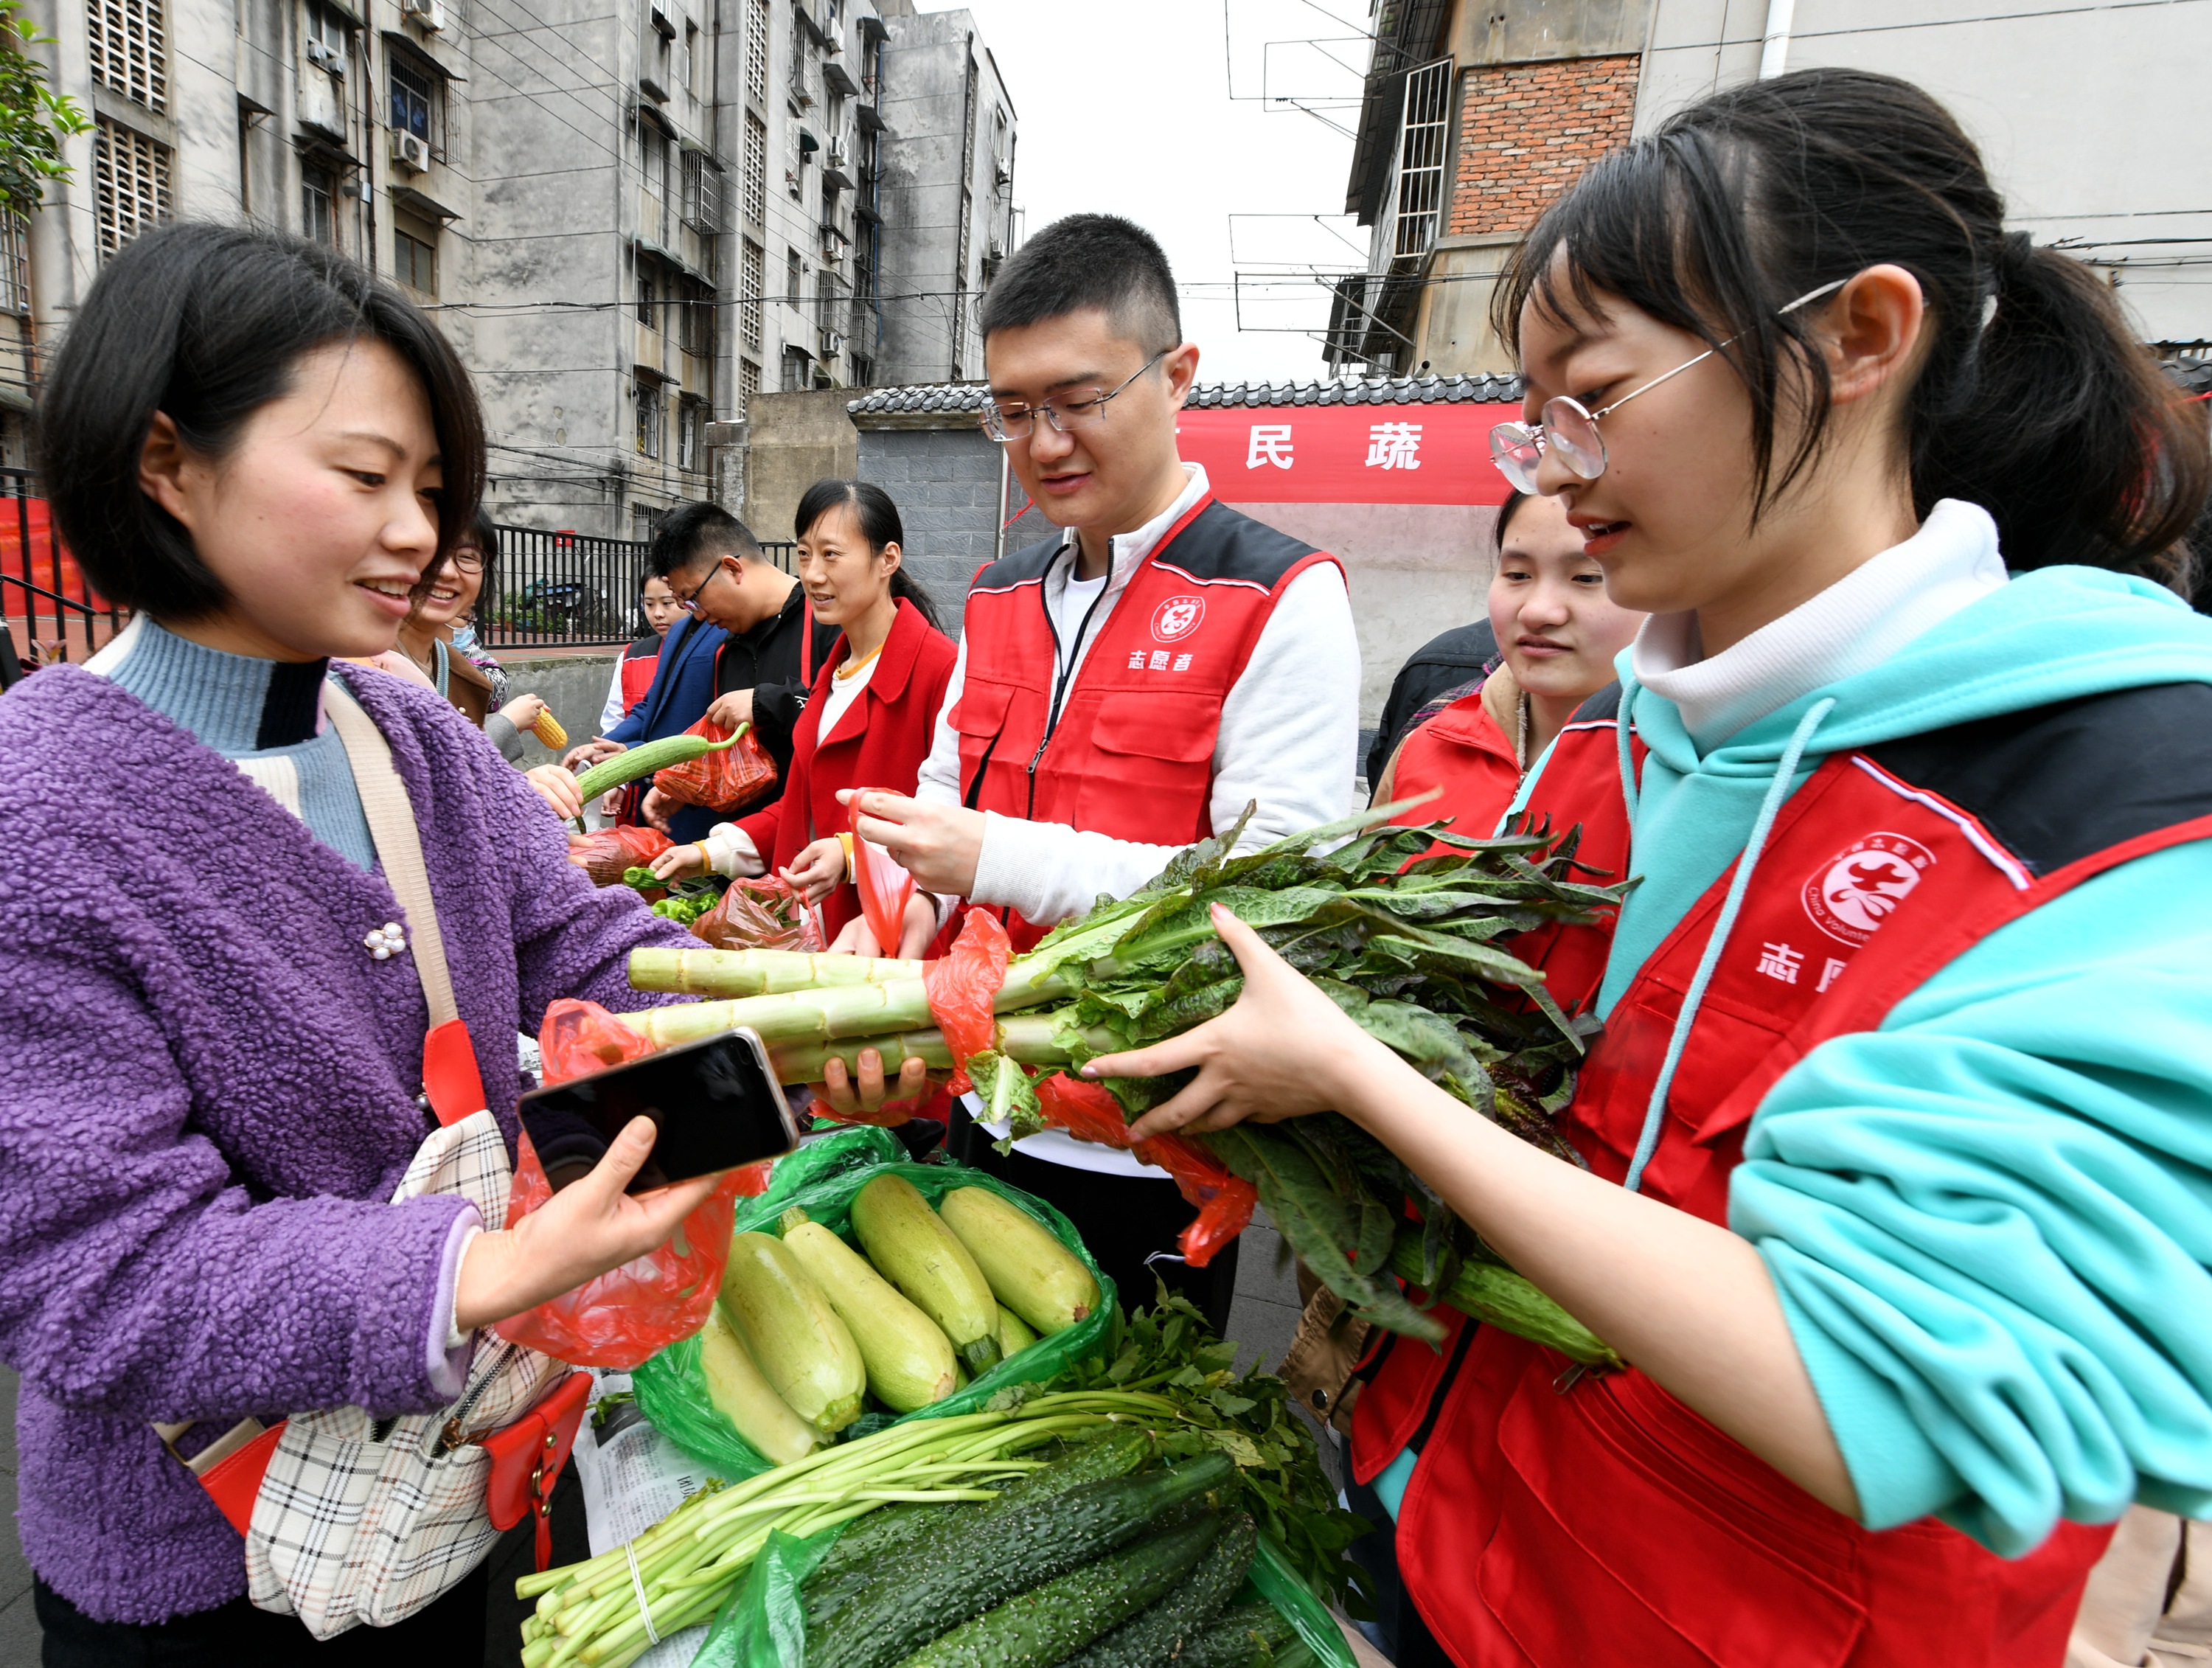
(1898, 1186)
(1124, 688)
(1557, 632)
(634, 671)
(867, 723)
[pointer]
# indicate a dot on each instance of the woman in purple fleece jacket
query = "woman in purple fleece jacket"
(208, 1089)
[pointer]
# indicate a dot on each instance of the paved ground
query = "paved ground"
(1262, 1319)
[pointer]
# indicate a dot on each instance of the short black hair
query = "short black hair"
(1087, 260)
(207, 324)
(693, 533)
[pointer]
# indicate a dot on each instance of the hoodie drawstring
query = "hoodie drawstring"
(1777, 792)
(1629, 792)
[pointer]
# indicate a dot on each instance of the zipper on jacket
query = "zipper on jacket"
(1066, 675)
(452, 1436)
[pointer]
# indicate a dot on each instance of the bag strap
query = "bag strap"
(398, 843)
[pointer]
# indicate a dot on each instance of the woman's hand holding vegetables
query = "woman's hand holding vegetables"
(586, 1228)
(555, 786)
(1283, 1049)
(679, 860)
(817, 871)
(869, 1094)
(523, 711)
(580, 759)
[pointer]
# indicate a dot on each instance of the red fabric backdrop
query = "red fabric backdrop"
(1347, 454)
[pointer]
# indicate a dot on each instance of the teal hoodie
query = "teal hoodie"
(1990, 1220)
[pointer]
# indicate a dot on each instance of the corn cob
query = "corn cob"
(548, 730)
(643, 761)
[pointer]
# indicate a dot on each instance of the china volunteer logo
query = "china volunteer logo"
(1176, 619)
(1861, 886)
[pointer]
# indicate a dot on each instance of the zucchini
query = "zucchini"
(1043, 1626)
(1246, 1636)
(944, 1579)
(647, 757)
(1014, 1335)
(1159, 1634)
(914, 1249)
(1030, 1270)
(745, 1397)
(791, 1333)
(908, 1360)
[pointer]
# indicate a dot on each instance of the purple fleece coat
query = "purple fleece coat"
(207, 1095)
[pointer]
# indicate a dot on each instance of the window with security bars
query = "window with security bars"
(414, 95)
(650, 420)
(702, 193)
(1424, 149)
(752, 278)
(128, 51)
(690, 418)
(756, 170)
(15, 262)
(131, 183)
(757, 49)
(748, 385)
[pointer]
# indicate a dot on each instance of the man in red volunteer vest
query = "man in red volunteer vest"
(1125, 688)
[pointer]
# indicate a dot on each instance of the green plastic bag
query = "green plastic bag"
(763, 1623)
(672, 1391)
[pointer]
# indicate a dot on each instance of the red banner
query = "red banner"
(1347, 454)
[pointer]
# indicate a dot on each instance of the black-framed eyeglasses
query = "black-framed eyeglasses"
(468, 558)
(1003, 424)
(690, 604)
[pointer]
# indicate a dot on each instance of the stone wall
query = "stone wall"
(574, 685)
(792, 441)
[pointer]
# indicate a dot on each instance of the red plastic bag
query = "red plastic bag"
(727, 781)
(626, 1314)
(886, 888)
(962, 984)
(1225, 1201)
(605, 854)
(760, 915)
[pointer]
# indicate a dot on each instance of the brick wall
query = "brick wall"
(946, 483)
(1528, 130)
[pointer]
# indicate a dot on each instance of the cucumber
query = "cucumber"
(791, 1333)
(742, 1396)
(1014, 1335)
(884, 1530)
(647, 757)
(912, 1247)
(1246, 1636)
(1042, 1627)
(1029, 1272)
(944, 1581)
(1159, 1634)
(909, 1358)
(1117, 1453)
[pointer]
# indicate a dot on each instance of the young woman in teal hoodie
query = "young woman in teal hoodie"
(1898, 1135)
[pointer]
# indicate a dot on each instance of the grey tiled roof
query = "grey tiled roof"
(968, 396)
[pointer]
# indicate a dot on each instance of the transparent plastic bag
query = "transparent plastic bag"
(760, 915)
(727, 781)
(762, 1624)
(672, 1391)
(619, 1318)
(605, 855)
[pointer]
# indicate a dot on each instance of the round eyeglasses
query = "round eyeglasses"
(1570, 429)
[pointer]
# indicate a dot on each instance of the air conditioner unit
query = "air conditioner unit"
(430, 14)
(409, 151)
(840, 158)
(324, 56)
(833, 344)
(996, 249)
(664, 21)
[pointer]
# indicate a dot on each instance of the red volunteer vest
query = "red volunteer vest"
(1606, 1522)
(1132, 753)
(637, 671)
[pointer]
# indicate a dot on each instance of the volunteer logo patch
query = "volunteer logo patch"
(1176, 619)
(1862, 886)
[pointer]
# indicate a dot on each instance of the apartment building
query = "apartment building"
(1473, 117)
(629, 219)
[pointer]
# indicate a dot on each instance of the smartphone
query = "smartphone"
(715, 1104)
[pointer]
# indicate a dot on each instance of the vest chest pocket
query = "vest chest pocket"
(1146, 773)
(979, 716)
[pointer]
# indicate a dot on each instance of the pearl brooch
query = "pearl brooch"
(386, 941)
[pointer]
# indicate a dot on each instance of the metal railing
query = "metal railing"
(49, 609)
(570, 590)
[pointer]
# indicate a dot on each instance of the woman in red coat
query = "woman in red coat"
(869, 718)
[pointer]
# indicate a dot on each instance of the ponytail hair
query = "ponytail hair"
(880, 526)
(2033, 399)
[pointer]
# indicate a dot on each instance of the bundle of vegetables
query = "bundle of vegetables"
(684, 1566)
(681, 901)
(807, 1327)
(1398, 924)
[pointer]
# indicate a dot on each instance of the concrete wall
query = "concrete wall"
(574, 685)
(792, 441)
(945, 482)
(2091, 116)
